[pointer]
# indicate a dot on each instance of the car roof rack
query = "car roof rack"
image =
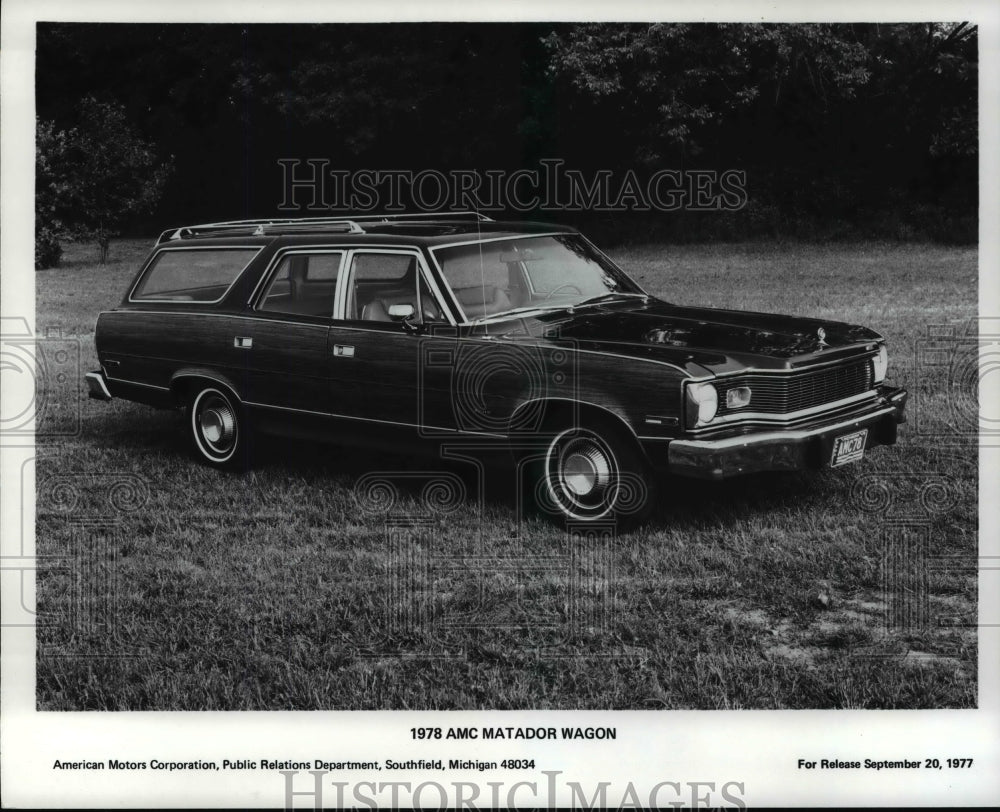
(351, 224)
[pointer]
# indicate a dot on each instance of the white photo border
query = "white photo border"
(760, 749)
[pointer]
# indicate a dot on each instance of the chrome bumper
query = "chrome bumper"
(98, 388)
(785, 450)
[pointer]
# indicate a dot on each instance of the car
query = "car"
(453, 329)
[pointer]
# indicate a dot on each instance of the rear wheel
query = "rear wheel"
(217, 428)
(592, 474)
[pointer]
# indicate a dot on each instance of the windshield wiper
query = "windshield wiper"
(513, 312)
(602, 296)
(567, 307)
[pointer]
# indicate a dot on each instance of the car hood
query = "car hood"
(718, 341)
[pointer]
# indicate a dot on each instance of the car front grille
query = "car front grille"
(786, 393)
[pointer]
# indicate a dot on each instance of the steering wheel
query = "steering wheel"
(554, 291)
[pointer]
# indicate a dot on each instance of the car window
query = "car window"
(192, 275)
(494, 277)
(323, 267)
(375, 267)
(303, 284)
(379, 281)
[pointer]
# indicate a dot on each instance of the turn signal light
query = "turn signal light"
(738, 397)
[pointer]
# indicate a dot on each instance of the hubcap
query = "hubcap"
(585, 470)
(582, 474)
(217, 425)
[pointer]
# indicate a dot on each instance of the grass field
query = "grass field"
(164, 585)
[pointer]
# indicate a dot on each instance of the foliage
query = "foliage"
(693, 76)
(51, 187)
(116, 174)
(856, 124)
(91, 178)
(675, 82)
(835, 124)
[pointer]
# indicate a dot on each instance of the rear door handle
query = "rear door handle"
(243, 342)
(343, 351)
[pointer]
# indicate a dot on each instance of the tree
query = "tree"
(866, 123)
(671, 85)
(92, 179)
(52, 184)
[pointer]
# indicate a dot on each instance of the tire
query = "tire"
(218, 429)
(592, 474)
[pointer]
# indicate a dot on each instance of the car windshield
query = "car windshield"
(496, 277)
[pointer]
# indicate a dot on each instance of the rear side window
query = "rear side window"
(304, 285)
(192, 275)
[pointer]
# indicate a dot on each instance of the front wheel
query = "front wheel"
(217, 429)
(587, 475)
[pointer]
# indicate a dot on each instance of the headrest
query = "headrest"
(476, 295)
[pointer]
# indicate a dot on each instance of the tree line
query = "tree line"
(853, 130)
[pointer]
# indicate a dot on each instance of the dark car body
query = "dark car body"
(408, 352)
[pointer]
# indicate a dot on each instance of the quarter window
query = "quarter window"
(303, 285)
(192, 275)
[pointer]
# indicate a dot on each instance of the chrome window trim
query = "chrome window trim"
(264, 283)
(423, 271)
(319, 247)
(516, 235)
(161, 250)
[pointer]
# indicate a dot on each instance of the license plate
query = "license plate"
(849, 448)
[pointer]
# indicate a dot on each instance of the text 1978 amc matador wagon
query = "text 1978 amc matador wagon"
(454, 328)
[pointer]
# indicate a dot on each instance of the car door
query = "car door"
(287, 340)
(389, 358)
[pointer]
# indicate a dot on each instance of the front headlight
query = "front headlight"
(702, 404)
(880, 363)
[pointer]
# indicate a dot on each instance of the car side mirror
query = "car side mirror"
(403, 313)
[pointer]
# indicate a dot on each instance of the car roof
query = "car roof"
(428, 230)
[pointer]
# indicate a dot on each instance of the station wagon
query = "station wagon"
(454, 329)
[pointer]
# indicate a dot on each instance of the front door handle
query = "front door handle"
(343, 351)
(243, 342)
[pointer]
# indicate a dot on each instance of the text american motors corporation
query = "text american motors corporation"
(420, 733)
